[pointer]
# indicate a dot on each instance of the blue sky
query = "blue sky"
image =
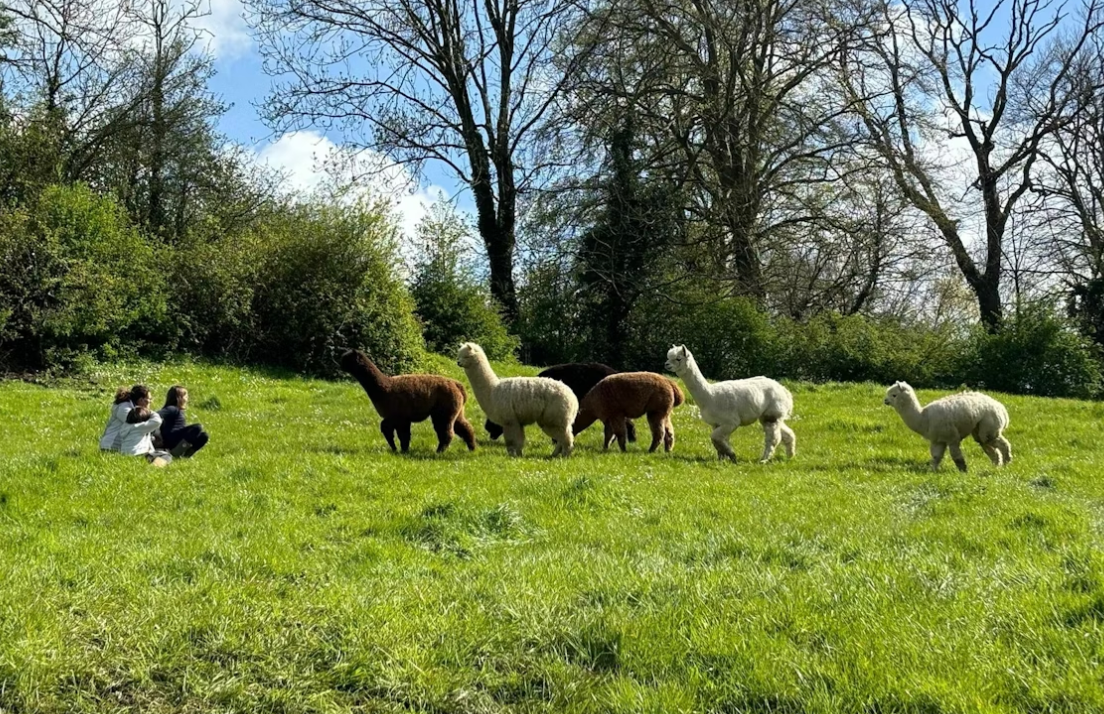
(241, 82)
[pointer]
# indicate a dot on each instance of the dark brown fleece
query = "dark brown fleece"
(407, 398)
(580, 378)
(630, 395)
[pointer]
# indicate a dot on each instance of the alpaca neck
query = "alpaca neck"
(911, 413)
(483, 381)
(586, 416)
(696, 383)
(372, 379)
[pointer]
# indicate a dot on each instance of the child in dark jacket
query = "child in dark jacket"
(179, 438)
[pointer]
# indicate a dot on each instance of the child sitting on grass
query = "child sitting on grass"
(176, 436)
(137, 435)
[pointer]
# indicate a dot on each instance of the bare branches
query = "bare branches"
(462, 82)
(1005, 92)
(725, 90)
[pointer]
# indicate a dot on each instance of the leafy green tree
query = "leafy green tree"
(78, 278)
(452, 302)
(618, 258)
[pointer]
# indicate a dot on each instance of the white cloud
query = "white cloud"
(225, 33)
(314, 163)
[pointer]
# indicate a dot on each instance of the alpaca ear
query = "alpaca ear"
(683, 350)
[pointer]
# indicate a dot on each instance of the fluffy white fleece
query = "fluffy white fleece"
(947, 421)
(739, 402)
(516, 402)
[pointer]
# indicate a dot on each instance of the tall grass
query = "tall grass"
(296, 565)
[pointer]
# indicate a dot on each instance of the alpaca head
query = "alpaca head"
(677, 358)
(898, 393)
(470, 355)
(351, 359)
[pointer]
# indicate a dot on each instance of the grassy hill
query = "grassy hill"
(296, 565)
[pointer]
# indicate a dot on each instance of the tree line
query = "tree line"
(916, 162)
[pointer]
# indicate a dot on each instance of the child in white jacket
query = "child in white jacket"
(131, 425)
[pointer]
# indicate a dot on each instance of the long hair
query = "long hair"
(138, 391)
(176, 396)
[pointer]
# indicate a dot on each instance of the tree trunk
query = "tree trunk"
(499, 243)
(987, 291)
(745, 260)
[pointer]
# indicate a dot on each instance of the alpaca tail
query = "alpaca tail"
(463, 428)
(677, 393)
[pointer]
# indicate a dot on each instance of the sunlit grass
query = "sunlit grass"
(297, 565)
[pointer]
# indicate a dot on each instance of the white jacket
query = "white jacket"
(112, 439)
(129, 439)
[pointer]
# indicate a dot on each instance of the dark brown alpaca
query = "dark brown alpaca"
(407, 398)
(580, 378)
(631, 395)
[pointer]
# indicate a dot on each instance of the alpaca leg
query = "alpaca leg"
(719, 437)
(387, 427)
(515, 438)
(443, 426)
(658, 426)
(608, 436)
(631, 428)
(618, 426)
(493, 430)
(1005, 448)
(565, 442)
(789, 439)
(403, 429)
(554, 434)
(937, 449)
(993, 453)
(668, 434)
(956, 454)
(772, 434)
(463, 428)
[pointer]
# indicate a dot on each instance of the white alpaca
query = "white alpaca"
(518, 401)
(947, 421)
(739, 402)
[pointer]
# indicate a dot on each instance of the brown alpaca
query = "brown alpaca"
(407, 398)
(630, 395)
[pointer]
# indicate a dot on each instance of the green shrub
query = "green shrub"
(1036, 352)
(452, 303)
(302, 283)
(730, 338)
(857, 348)
(329, 280)
(77, 279)
(213, 290)
(547, 322)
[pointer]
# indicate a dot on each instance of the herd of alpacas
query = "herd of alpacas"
(566, 399)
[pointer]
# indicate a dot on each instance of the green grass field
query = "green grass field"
(296, 565)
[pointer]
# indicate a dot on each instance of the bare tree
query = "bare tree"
(744, 114)
(170, 148)
(856, 256)
(942, 68)
(72, 60)
(1074, 184)
(462, 82)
